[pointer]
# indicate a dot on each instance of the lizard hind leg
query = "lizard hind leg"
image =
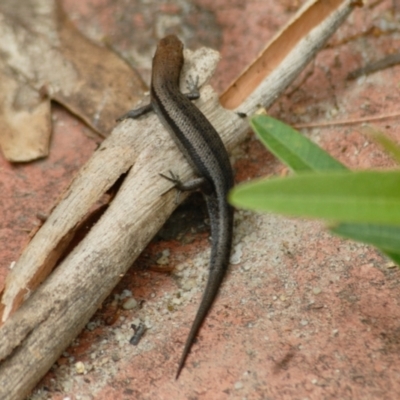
(189, 186)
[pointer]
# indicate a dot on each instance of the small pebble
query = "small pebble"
(236, 256)
(164, 259)
(80, 367)
(136, 322)
(238, 385)
(188, 285)
(91, 326)
(138, 333)
(333, 112)
(125, 293)
(129, 304)
(147, 323)
(316, 290)
(304, 322)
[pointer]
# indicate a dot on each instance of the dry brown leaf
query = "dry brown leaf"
(41, 51)
(25, 124)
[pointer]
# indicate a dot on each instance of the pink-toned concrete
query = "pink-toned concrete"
(302, 314)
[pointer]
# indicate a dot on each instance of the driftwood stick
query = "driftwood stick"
(35, 333)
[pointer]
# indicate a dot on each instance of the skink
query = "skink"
(204, 150)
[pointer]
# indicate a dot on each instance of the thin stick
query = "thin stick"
(347, 121)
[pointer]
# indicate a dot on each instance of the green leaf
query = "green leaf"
(364, 196)
(385, 237)
(391, 147)
(394, 256)
(291, 147)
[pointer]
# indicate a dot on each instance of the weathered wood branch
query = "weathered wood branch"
(40, 322)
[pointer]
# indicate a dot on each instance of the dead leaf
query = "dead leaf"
(25, 124)
(41, 51)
